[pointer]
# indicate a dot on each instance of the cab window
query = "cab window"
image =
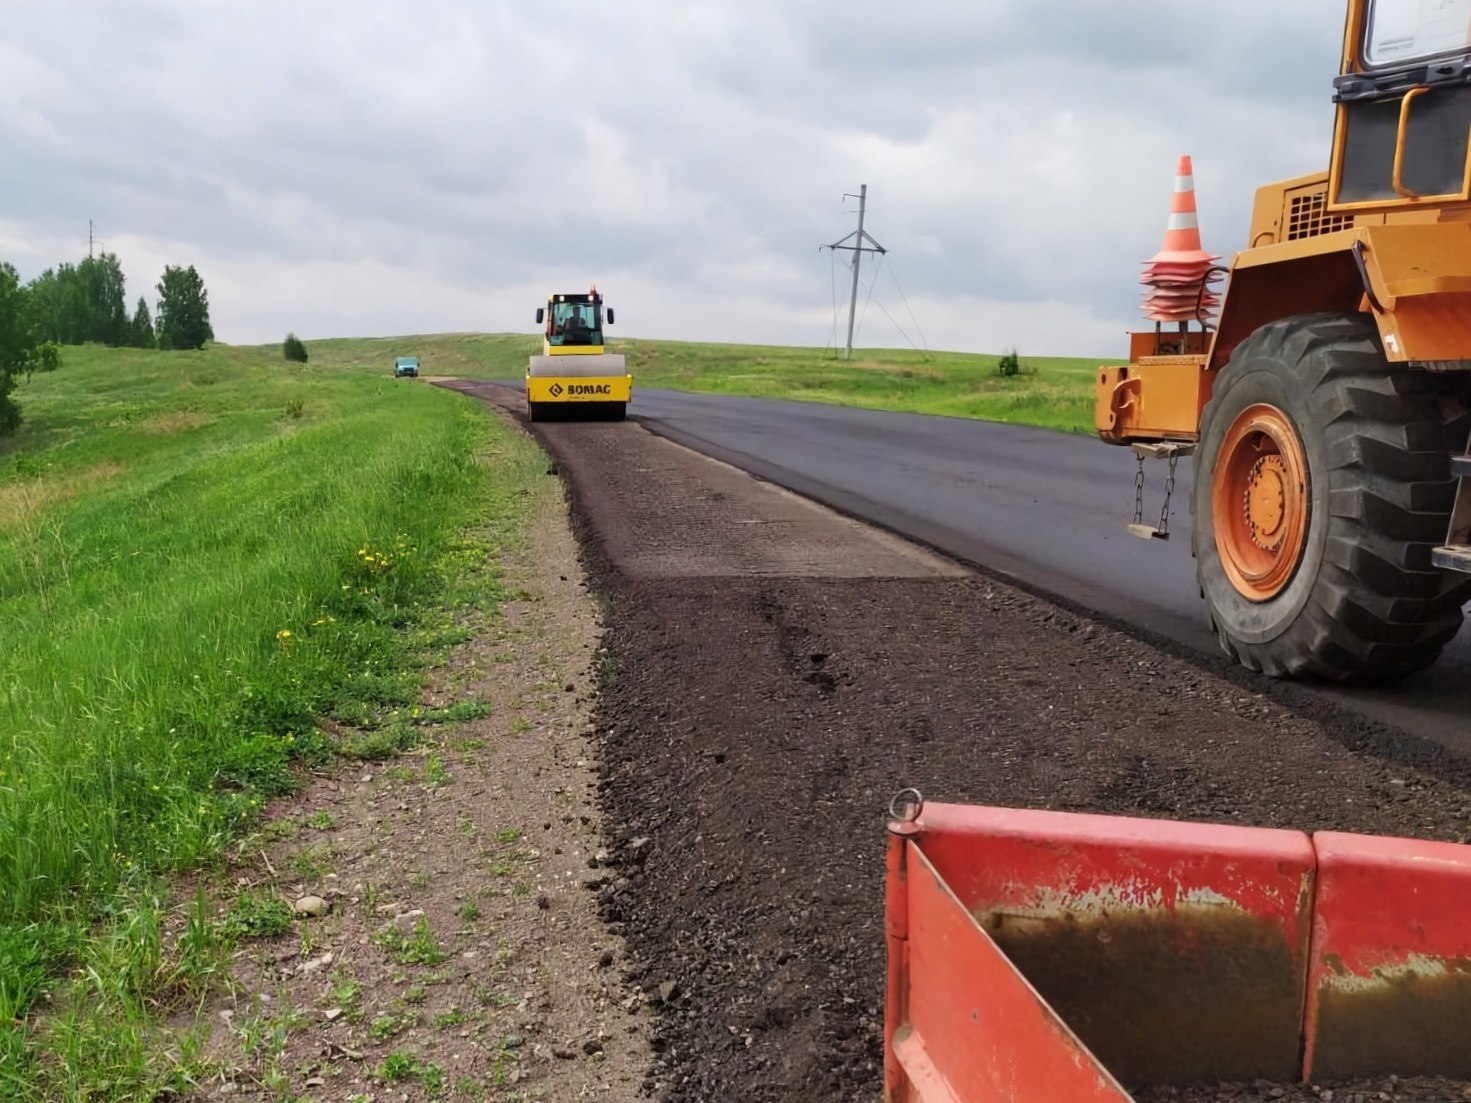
(1402, 31)
(576, 324)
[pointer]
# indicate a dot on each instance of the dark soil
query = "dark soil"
(756, 715)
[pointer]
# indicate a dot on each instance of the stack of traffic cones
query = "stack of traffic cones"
(1178, 278)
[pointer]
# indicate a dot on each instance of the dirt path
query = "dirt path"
(778, 672)
(462, 956)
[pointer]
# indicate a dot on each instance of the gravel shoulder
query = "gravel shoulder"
(761, 706)
(460, 954)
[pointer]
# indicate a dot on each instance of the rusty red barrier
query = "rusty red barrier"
(1390, 988)
(971, 1026)
(1049, 956)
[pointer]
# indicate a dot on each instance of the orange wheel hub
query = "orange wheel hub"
(1259, 502)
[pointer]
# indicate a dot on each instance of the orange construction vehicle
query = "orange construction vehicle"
(1328, 402)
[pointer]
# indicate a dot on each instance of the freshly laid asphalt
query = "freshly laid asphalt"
(1045, 509)
(1042, 509)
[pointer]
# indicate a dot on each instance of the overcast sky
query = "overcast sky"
(366, 167)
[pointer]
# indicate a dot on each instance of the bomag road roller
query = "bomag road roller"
(1326, 404)
(574, 374)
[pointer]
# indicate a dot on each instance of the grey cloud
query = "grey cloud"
(1018, 153)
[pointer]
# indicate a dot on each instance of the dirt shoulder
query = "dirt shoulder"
(461, 955)
(761, 706)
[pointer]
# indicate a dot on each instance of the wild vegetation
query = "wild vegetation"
(22, 351)
(294, 349)
(213, 565)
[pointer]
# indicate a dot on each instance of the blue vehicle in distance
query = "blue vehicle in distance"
(405, 365)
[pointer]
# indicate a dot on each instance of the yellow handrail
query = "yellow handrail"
(1399, 143)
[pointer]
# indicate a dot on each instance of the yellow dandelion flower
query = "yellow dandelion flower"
(284, 634)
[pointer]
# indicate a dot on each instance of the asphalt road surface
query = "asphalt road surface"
(1046, 509)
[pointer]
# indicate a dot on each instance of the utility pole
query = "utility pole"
(89, 239)
(858, 237)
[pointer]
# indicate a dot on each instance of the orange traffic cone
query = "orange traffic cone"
(1177, 278)
(1182, 238)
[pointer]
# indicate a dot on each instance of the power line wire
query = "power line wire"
(869, 299)
(873, 300)
(918, 328)
(900, 328)
(894, 321)
(832, 268)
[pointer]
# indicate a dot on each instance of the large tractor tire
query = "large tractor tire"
(1322, 481)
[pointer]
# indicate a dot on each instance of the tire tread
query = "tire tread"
(1377, 610)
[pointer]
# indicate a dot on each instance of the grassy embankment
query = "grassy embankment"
(206, 559)
(1052, 392)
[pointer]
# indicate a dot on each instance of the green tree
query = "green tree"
(106, 300)
(140, 330)
(22, 349)
(294, 349)
(83, 302)
(59, 304)
(183, 310)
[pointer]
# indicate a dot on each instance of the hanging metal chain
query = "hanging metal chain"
(1158, 450)
(1139, 491)
(1164, 513)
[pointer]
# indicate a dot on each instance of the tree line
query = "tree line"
(73, 304)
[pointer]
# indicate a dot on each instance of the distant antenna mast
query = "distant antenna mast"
(858, 237)
(89, 239)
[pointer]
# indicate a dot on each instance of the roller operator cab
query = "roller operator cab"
(1327, 405)
(575, 375)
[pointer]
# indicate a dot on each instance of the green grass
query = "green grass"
(256, 915)
(474, 355)
(416, 947)
(1052, 392)
(203, 556)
